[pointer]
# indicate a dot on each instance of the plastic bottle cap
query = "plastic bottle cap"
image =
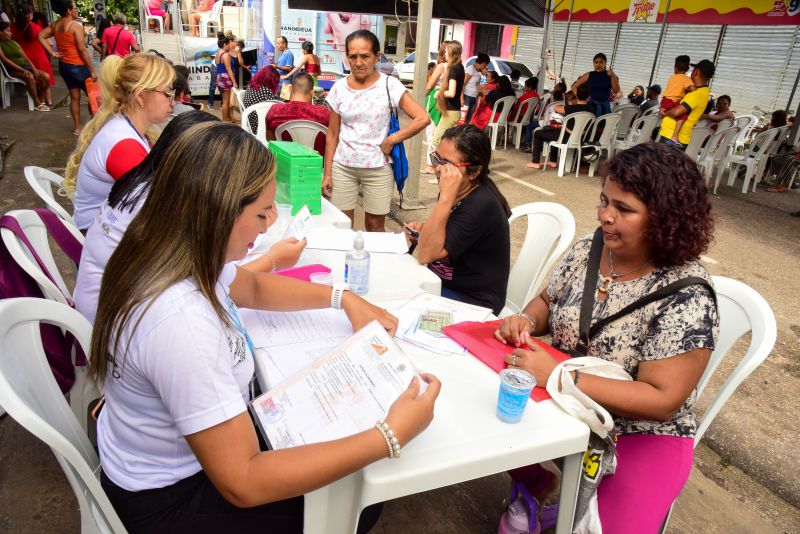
(358, 242)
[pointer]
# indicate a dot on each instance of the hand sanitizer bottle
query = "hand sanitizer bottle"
(356, 267)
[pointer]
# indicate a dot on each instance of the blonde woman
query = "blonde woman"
(120, 136)
(178, 449)
(432, 89)
(449, 98)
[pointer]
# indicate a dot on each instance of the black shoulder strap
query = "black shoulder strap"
(113, 48)
(589, 287)
(392, 109)
(658, 294)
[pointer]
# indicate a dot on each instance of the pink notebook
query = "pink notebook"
(478, 339)
(304, 272)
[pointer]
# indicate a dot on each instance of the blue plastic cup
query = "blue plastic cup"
(515, 388)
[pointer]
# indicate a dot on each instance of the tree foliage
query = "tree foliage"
(129, 7)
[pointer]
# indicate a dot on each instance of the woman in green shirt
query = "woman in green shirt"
(18, 65)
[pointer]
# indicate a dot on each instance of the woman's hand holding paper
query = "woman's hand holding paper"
(360, 312)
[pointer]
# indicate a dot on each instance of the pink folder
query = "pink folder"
(304, 272)
(478, 339)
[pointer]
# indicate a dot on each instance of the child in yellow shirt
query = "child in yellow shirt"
(678, 85)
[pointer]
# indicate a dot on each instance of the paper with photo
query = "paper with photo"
(340, 394)
(422, 319)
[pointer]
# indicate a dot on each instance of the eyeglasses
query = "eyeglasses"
(436, 160)
(168, 94)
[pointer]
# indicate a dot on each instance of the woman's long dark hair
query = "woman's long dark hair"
(474, 146)
(21, 22)
(128, 190)
(503, 89)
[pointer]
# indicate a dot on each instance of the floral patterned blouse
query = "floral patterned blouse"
(679, 323)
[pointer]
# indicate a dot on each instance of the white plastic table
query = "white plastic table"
(465, 441)
(332, 216)
(391, 276)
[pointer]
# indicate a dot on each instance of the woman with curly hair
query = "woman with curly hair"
(263, 88)
(656, 221)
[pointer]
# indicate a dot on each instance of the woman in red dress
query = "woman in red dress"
(25, 32)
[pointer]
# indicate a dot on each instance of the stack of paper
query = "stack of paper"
(339, 239)
(292, 341)
(423, 318)
(342, 393)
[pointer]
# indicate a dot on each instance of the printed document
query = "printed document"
(287, 342)
(342, 393)
(300, 225)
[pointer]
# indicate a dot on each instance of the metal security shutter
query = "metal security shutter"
(698, 41)
(790, 74)
(751, 64)
(529, 46)
(636, 49)
(594, 37)
(558, 34)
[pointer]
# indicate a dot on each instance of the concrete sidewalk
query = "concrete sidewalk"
(745, 476)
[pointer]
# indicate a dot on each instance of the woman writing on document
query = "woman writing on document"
(177, 447)
(655, 217)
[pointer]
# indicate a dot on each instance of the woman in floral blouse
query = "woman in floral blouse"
(656, 222)
(263, 88)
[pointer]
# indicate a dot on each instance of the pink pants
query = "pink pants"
(651, 471)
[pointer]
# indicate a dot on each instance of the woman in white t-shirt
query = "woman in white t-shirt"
(120, 135)
(357, 148)
(124, 202)
(178, 449)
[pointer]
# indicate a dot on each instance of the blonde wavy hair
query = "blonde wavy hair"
(133, 75)
(453, 59)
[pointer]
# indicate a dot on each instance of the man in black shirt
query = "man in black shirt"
(552, 133)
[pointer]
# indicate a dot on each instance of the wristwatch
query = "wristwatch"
(336, 295)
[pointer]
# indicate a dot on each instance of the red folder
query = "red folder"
(304, 272)
(478, 339)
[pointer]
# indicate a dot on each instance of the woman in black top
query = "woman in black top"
(483, 114)
(449, 98)
(466, 239)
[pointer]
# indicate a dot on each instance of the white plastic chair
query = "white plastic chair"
(577, 123)
(30, 395)
(650, 111)
(745, 123)
(551, 228)
(544, 103)
(699, 136)
(741, 310)
(260, 110)
(716, 149)
(148, 16)
(42, 181)
(610, 122)
(211, 16)
(751, 160)
(516, 124)
(7, 87)
(502, 120)
(724, 124)
(301, 131)
(36, 232)
(629, 112)
(639, 132)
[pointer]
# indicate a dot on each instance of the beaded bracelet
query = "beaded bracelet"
(274, 265)
(391, 440)
(530, 320)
